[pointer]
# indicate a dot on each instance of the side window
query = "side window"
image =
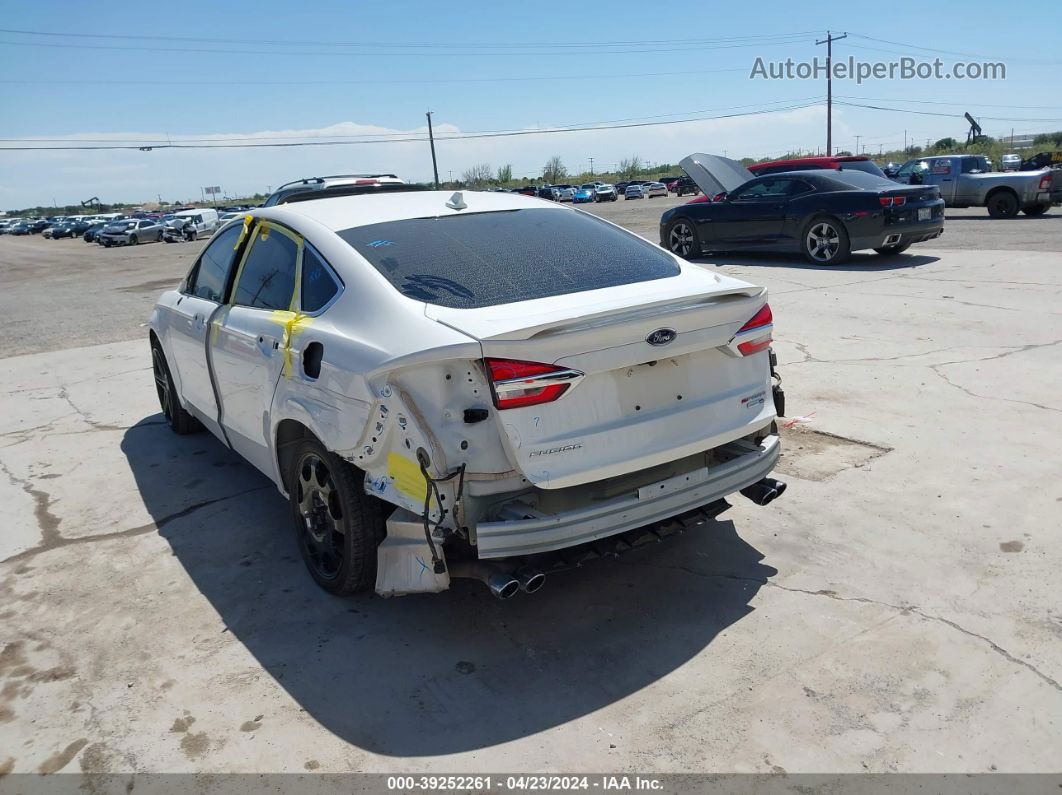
(211, 273)
(941, 167)
(318, 284)
(768, 189)
(267, 280)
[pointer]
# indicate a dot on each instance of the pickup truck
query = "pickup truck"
(968, 181)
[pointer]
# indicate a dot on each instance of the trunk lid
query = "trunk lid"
(714, 174)
(637, 404)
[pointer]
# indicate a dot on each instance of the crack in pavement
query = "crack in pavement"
(57, 541)
(100, 426)
(973, 394)
(901, 609)
(47, 522)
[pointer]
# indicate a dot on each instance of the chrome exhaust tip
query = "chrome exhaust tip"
(530, 579)
(892, 240)
(502, 586)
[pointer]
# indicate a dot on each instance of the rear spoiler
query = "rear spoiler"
(350, 190)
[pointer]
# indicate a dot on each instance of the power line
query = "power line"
(910, 46)
(948, 115)
(381, 51)
(400, 135)
(958, 104)
(699, 42)
(208, 82)
(410, 139)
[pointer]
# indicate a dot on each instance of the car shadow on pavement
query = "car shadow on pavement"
(442, 673)
(859, 261)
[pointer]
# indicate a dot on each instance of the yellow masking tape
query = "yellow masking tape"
(293, 324)
(407, 476)
(243, 232)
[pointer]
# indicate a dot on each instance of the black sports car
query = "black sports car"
(823, 214)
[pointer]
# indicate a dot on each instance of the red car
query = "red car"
(835, 162)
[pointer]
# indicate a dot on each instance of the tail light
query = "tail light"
(755, 335)
(518, 384)
(893, 201)
(1045, 182)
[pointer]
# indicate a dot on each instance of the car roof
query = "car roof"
(824, 162)
(337, 213)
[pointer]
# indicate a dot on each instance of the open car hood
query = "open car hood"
(714, 174)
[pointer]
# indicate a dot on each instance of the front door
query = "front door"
(250, 344)
(202, 296)
(755, 213)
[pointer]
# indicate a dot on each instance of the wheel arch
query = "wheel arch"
(288, 434)
(1002, 189)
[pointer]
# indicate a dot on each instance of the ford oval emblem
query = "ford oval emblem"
(662, 336)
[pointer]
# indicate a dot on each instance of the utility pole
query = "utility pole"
(434, 164)
(857, 143)
(828, 41)
(905, 142)
(591, 166)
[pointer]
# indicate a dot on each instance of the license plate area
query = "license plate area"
(925, 213)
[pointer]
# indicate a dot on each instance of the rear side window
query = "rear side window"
(211, 274)
(267, 280)
(485, 259)
(318, 284)
(866, 166)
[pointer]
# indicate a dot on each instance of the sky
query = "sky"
(360, 75)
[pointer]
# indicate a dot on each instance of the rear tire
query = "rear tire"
(682, 239)
(1002, 205)
(825, 241)
(337, 525)
(133, 240)
(179, 420)
(886, 251)
(1037, 209)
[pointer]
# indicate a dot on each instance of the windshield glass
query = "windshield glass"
(485, 259)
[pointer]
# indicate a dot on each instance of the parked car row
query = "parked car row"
(114, 229)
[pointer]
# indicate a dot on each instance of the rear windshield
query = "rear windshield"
(485, 259)
(858, 179)
(867, 166)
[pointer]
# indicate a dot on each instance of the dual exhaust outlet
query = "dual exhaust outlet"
(505, 585)
(501, 584)
(765, 491)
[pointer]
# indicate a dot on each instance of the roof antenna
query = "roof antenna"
(457, 202)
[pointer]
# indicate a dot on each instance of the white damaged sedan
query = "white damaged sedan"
(469, 385)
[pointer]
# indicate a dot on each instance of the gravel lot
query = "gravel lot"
(896, 610)
(66, 293)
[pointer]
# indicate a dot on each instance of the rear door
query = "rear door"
(942, 174)
(249, 344)
(202, 295)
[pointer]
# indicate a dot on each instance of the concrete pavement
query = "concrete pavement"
(896, 610)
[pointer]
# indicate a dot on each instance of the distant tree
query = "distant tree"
(478, 176)
(554, 170)
(843, 153)
(630, 166)
(913, 151)
(505, 173)
(1048, 139)
(946, 143)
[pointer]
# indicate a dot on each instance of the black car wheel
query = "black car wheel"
(338, 526)
(826, 242)
(179, 420)
(890, 250)
(133, 240)
(682, 239)
(1002, 205)
(1037, 209)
